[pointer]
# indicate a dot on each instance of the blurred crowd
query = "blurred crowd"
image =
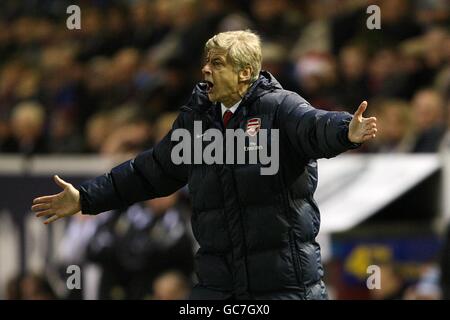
(145, 251)
(104, 88)
(115, 87)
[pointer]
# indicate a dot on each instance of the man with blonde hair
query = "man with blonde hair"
(256, 232)
(27, 129)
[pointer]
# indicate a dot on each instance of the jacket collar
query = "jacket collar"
(265, 83)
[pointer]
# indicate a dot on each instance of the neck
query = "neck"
(231, 100)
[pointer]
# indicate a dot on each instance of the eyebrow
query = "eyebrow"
(214, 56)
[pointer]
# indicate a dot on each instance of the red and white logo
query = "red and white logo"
(253, 126)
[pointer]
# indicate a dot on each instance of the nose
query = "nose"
(206, 70)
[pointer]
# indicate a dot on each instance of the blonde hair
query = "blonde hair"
(29, 111)
(243, 49)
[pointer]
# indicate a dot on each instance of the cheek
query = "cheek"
(228, 83)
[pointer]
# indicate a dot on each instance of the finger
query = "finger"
(51, 219)
(45, 213)
(370, 126)
(371, 131)
(368, 137)
(362, 107)
(44, 199)
(369, 120)
(60, 182)
(40, 207)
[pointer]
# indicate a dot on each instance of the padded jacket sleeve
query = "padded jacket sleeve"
(314, 133)
(150, 175)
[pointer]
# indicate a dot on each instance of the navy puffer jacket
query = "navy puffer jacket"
(256, 232)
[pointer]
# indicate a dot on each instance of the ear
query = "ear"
(245, 74)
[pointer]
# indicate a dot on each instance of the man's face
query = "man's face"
(222, 78)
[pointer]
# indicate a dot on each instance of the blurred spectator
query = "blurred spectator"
(35, 287)
(397, 24)
(353, 85)
(63, 136)
(316, 33)
(275, 21)
(431, 12)
(386, 77)
(394, 132)
(135, 246)
(72, 251)
(317, 80)
(392, 285)
(427, 287)
(171, 285)
(429, 120)
(97, 130)
(27, 129)
(13, 291)
(148, 54)
(164, 124)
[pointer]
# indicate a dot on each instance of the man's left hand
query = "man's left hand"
(362, 129)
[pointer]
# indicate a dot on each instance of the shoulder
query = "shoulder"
(284, 99)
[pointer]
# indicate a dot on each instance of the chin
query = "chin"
(212, 98)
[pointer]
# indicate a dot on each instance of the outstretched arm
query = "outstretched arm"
(315, 133)
(150, 175)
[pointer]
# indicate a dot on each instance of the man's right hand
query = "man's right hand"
(63, 204)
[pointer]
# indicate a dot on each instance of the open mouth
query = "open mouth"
(209, 86)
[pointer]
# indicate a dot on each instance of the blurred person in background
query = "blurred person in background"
(133, 134)
(353, 82)
(71, 250)
(317, 80)
(428, 120)
(35, 287)
(97, 131)
(27, 130)
(386, 77)
(12, 290)
(275, 21)
(136, 245)
(63, 134)
(171, 285)
(98, 68)
(395, 133)
(425, 60)
(428, 285)
(392, 284)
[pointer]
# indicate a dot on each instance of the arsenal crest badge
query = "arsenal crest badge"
(253, 126)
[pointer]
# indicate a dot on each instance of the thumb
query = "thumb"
(60, 182)
(362, 107)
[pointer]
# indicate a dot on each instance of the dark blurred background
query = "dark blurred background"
(115, 86)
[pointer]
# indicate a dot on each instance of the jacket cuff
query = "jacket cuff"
(346, 141)
(84, 203)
